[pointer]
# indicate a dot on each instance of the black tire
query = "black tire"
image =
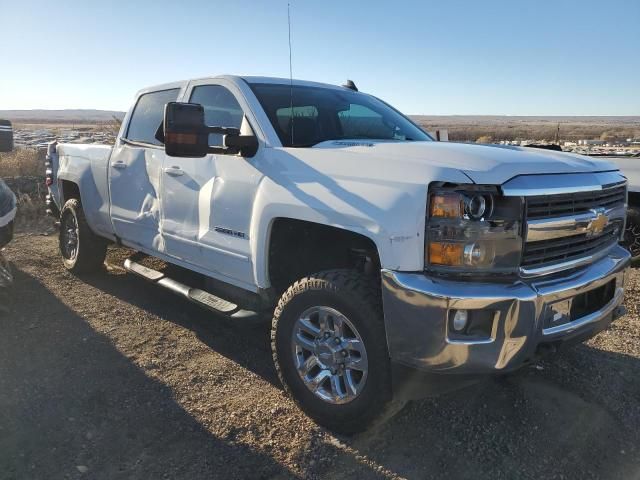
(356, 296)
(90, 251)
(632, 233)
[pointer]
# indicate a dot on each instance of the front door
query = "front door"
(135, 174)
(207, 202)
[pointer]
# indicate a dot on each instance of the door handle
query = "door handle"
(119, 165)
(174, 171)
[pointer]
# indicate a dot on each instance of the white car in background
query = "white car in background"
(630, 167)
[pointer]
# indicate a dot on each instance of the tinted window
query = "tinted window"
(320, 114)
(221, 109)
(147, 115)
(359, 121)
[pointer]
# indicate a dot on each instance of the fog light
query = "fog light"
(460, 320)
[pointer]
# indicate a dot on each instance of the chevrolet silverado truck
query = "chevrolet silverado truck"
(387, 261)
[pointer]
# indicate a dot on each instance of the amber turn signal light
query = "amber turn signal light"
(182, 138)
(446, 253)
(446, 205)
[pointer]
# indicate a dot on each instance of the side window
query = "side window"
(221, 109)
(147, 115)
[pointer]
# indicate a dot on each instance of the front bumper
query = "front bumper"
(417, 311)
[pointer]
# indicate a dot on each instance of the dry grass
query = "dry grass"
(471, 128)
(31, 211)
(22, 162)
(23, 171)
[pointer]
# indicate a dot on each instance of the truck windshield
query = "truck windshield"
(320, 114)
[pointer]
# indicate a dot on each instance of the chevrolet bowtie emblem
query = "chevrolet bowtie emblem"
(599, 222)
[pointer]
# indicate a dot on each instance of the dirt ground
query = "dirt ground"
(110, 377)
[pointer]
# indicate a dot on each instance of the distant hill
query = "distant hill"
(61, 116)
(506, 127)
(460, 127)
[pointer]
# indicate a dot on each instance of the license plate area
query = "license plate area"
(574, 308)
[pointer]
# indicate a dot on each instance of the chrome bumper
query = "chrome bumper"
(417, 309)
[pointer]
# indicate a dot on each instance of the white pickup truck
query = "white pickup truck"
(391, 264)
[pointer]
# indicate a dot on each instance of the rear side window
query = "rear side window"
(147, 115)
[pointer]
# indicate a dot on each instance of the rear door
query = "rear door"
(136, 171)
(207, 202)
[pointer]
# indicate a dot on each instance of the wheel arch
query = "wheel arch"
(297, 247)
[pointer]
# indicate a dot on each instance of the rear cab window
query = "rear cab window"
(148, 114)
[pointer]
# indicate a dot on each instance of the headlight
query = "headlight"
(473, 228)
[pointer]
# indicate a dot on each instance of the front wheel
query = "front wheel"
(82, 250)
(330, 350)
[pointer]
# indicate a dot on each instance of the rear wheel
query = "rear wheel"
(82, 250)
(632, 233)
(330, 350)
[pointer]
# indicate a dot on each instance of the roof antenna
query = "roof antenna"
(350, 85)
(290, 75)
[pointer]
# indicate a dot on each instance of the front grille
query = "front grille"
(548, 206)
(548, 252)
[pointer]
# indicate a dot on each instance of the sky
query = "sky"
(548, 57)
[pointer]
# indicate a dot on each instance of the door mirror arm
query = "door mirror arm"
(245, 145)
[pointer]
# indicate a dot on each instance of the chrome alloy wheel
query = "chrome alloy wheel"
(69, 233)
(329, 354)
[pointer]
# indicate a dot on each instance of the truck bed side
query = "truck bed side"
(84, 166)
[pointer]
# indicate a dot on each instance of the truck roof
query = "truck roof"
(238, 78)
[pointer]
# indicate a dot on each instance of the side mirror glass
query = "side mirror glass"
(187, 135)
(6, 136)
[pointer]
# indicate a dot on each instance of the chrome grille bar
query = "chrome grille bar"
(570, 219)
(547, 206)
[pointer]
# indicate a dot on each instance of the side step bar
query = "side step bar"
(195, 295)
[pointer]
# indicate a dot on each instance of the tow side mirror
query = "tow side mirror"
(187, 135)
(6, 136)
(184, 130)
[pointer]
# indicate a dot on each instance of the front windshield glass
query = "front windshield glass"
(320, 114)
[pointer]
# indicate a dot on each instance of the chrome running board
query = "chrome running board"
(195, 295)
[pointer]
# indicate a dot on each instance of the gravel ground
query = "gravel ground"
(110, 377)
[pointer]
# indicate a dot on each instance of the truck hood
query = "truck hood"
(483, 164)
